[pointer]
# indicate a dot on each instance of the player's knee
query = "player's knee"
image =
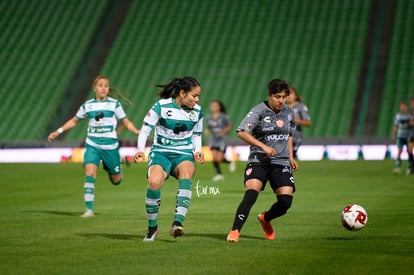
(284, 202)
(115, 179)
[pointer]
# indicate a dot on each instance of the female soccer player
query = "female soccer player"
(101, 143)
(218, 125)
(400, 134)
(268, 130)
(302, 118)
(178, 123)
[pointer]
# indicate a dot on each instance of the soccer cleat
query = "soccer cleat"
(409, 171)
(396, 171)
(176, 231)
(232, 166)
(151, 234)
(233, 236)
(89, 213)
(218, 177)
(267, 227)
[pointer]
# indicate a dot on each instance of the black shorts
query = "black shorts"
(219, 148)
(277, 175)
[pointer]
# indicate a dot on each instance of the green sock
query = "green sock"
(398, 163)
(89, 191)
(152, 204)
(183, 199)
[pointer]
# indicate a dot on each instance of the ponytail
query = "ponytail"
(173, 88)
(117, 94)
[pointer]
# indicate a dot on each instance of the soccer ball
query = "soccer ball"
(354, 217)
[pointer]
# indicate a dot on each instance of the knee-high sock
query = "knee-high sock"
(250, 197)
(217, 167)
(152, 205)
(279, 208)
(411, 161)
(89, 191)
(183, 199)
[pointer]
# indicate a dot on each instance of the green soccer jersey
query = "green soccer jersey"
(103, 116)
(401, 121)
(174, 126)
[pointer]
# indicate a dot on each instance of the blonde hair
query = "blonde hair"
(113, 92)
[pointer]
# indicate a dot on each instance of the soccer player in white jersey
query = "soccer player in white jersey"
(178, 123)
(267, 128)
(101, 143)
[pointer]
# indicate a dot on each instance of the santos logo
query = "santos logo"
(277, 137)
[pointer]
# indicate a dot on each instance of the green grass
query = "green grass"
(41, 232)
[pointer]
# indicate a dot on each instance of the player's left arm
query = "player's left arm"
(130, 126)
(293, 163)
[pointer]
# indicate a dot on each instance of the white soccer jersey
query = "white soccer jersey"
(174, 126)
(103, 117)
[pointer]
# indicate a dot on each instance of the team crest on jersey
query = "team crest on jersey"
(192, 116)
(148, 114)
(279, 123)
(249, 171)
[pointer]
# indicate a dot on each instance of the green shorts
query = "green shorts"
(111, 159)
(401, 142)
(167, 160)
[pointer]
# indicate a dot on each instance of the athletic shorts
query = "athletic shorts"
(218, 145)
(168, 161)
(277, 175)
(401, 142)
(111, 159)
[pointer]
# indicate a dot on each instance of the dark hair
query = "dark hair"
(221, 106)
(276, 86)
(173, 88)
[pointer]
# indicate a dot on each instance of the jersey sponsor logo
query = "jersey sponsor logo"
(169, 113)
(179, 127)
(292, 180)
(268, 129)
(100, 129)
(167, 141)
(286, 170)
(279, 123)
(277, 137)
(267, 119)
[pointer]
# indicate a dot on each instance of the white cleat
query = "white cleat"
(218, 177)
(232, 166)
(88, 214)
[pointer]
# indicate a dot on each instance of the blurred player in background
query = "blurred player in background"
(302, 118)
(411, 139)
(267, 128)
(400, 133)
(218, 125)
(178, 123)
(101, 143)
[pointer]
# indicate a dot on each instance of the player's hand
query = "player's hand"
(52, 136)
(199, 157)
(293, 164)
(270, 151)
(139, 157)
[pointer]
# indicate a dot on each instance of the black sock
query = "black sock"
(243, 210)
(410, 161)
(279, 208)
(217, 167)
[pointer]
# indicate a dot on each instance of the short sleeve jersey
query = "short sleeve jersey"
(174, 126)
(401, 121)
(217, 124)
(273, 129)
(103, 116)
(301, 111)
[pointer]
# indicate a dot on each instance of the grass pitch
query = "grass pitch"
(41, 231)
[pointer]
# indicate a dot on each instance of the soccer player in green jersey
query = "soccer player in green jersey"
(101, 143)
(400, 133)
(178, 123)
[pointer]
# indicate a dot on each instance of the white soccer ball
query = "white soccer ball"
(354, 217)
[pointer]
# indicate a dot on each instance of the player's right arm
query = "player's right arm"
(65, 127)
(251, 140)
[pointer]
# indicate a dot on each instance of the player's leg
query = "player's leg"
(158, 165)
(397, 169)
(282, 183)
(111, 161)
(215, 153)
(184, 170)
(90, 166)
(254, 179)
(410, 148)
